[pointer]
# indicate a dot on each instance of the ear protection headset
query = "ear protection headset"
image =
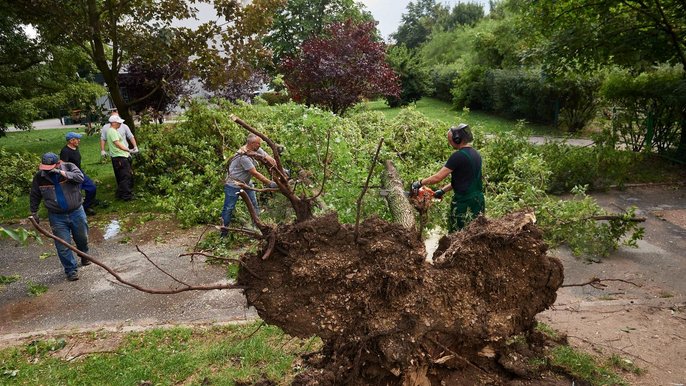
(461, 133)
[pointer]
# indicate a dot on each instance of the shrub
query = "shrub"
(16, 173)
(648, 109)
(275, 98)
(443, 80)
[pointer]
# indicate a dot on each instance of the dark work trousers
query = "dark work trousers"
(124, 176)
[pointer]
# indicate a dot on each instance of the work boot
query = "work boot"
(90, 212)
(85, 262)
(223, 233)
(74, 276)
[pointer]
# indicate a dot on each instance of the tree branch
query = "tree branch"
(597, 283)
(366, 186)
(326, 164)
(122, 280)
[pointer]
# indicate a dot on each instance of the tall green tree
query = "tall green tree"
(112, 31)
(299, 20)
(633, 33)
(414, 76)
(35, 77)
(417, 22)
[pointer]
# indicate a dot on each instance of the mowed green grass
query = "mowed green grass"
(218, 356)
(443, 111)
(52, 140)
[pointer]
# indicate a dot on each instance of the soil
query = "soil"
(643, 324)
(387, 316)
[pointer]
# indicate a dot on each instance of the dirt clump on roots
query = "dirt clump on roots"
(387, 316)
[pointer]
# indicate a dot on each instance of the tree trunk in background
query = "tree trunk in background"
(401, 209)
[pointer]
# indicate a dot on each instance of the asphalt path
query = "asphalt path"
(97, 301)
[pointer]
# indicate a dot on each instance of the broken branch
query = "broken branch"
(597, 283)
(112, 272)
(366, 186)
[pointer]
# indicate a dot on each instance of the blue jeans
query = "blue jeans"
(65, 226)
(230, 198)
(89, 187)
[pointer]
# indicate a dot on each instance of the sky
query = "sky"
(389, 12)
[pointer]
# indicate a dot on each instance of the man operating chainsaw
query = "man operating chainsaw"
(464, 167)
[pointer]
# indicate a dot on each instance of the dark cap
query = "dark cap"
(49, 161)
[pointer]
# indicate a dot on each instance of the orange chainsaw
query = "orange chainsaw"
(423, 199)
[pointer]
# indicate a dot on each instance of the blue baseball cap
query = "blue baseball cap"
(71, 135)
(48, 161)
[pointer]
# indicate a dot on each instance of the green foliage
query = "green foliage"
(35, 289)
(442, 81)
(648, 109)
(183, 165)
(16, 173)
(21, 235)
(275, 98)
(583, 367)
(297, 20)
(9, 279)
(414, 79)
(578, 99)
(519, 176)
(41, 347)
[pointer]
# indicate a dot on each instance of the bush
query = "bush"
(648, 109)
(275, 98)
(16, 173)
(443, 80)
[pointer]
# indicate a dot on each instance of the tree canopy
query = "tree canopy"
(633, 33)
(113, 32)
(36, 77)
(339, 68)
(298, 20)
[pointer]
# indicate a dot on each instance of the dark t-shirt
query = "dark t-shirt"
(463, 171)
(70, 155)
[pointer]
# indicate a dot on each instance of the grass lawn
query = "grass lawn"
(444, 111)
(42, 141)
(217, 356)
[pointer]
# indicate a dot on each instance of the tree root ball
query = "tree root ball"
(385, 314)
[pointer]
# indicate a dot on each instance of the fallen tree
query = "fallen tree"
(385, 314)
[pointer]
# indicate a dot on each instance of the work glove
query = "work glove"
(414, 188)
(287, 172)
(135, 150)
(439, 194)
(273, 185)
(56, 170)
(35, 217)
(103, 154)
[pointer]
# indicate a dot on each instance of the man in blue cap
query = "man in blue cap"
(70, 153)
(58, 185)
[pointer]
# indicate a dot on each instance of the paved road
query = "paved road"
(98, 301)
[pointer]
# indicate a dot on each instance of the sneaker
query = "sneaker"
(85, 262)
(90, 212)
(223, 233)
(73, 276)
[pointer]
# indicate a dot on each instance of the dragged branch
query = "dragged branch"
(120, 279)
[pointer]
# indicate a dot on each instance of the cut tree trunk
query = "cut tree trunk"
(400, 207)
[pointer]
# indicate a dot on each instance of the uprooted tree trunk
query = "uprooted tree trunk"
(400, 207)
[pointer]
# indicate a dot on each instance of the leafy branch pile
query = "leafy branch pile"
(184, 167)
(16, 173)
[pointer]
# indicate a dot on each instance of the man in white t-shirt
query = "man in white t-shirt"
(125, 133)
